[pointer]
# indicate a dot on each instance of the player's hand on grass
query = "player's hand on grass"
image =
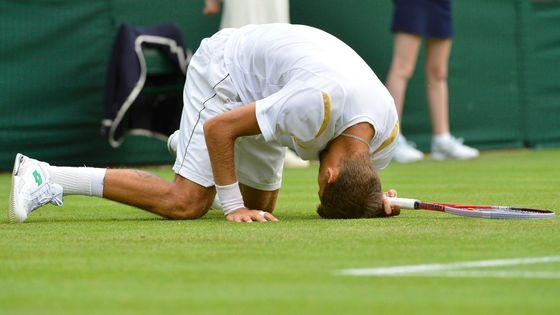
(390, 210)
(246, 215)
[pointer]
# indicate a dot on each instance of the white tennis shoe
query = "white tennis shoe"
(172, 143)
(292, 160)
(406, 152)
(31, 188)
(452, 148)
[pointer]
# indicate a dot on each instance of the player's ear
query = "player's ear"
(332, 174)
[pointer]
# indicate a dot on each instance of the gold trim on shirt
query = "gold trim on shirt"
(390, 139)
(327, 116)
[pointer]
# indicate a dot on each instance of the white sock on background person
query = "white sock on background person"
(86, 181)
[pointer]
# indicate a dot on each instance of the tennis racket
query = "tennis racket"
(474, 211)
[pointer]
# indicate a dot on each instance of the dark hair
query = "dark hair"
(356, 192)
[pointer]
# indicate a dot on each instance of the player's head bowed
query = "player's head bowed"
(355, 193)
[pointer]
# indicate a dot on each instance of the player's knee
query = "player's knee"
(188, 211)
(184, 207)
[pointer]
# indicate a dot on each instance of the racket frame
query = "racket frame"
(476, 211)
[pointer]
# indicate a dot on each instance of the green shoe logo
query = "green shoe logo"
(38, 178)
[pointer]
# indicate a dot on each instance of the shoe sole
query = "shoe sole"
(443, 157)
(439, 157)
(12, 216)
(403, 161)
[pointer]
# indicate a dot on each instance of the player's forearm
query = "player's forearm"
(220, 143)
(220, 134)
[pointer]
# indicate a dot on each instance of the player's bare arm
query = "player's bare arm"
(220, 134)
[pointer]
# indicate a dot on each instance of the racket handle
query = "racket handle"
(406, 203)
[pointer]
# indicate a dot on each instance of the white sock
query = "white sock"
(86, 181)
(441, 138)
(216, 204)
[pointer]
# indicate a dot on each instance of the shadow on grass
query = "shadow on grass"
(217, 217)
(77, 220)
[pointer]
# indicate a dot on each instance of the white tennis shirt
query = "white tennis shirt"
(309, 87)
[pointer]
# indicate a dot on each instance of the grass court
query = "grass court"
(93, 256)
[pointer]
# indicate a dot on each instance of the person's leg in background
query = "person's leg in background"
(437, 58)
(444, 145)
(405, 54)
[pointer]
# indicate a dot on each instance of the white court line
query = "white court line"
(455, 269)
(495, 274)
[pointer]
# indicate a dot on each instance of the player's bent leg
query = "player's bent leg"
(182, 199)
(259, 199)
(191, 200)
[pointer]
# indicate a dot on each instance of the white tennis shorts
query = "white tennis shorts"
(209, 92)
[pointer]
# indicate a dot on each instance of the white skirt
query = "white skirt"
(237, 13)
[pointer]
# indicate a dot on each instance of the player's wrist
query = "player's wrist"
(230, 197)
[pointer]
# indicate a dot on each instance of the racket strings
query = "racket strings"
(501, 212)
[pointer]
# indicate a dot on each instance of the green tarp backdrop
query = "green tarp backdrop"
(504, 71)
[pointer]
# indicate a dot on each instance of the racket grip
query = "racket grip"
(406, 203)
